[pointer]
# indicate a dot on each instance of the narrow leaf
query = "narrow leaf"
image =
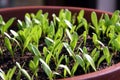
(80, 61)
(7, 25)
(35, 50)
(26, 74)
(68, 48)
(90, 60)
(46, 68)
(9, 46)
(66, 68)
(94, 19)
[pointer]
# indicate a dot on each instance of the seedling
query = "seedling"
(5, 25)
(34, 64)
(9, 74)
(59, 42)
(23, 71)
(9, 46)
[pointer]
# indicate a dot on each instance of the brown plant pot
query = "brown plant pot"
(111, 73)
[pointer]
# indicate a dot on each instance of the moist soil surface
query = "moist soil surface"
(7, 62)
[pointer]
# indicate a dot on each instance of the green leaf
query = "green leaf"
(100, 60)
(94, 19)
(74, 41)
(10, 73)
(32, 65)
(2, 74)
(80, 61)
(59, 33)
(69, 24)
(80, 16)
(58, 46)
(18, 65)
(68, 14)
(90, 60)
(60, 60)
(61, 12)
(65, 69)
(85, 51)
(48, 58)
(35, 50)
(38, 14)
(1, 21)
(14, 33)
(104, 29)
(107, 18)
(84, 37)
(20, 23)
(23, 71)
(6, 34)
(45, 51)
(51, 30)
(86, 25)
(26, 74)
(95, 40)
(116, 43)
(7, 25)
(74, 68)
(95, 54)
(107, 55)
(26, 43)
(49, 42)
(46, 68)
(95, 23)
(36, 32)
(9, 46)
(28, 20)
(115, 17)
(87, 57)
(68, 48)
(68, 34)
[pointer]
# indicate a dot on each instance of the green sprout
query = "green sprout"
(62, 41)
(5, 25)
(24, 72)
(9, 74)
(34, 64)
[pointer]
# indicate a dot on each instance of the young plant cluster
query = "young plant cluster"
(60, 47)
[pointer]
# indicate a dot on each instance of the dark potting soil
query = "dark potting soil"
(7, 62)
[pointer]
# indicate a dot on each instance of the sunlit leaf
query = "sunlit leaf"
(35, 50)
(90, 60)
(10, 73)
(69, 24)
(14, 33)
(9, 46)
(7, 25)
(80, 61)
(74, 41)
(107, 54)
(65, 68)
(26, 74)
(68, 34)
(46, 68)
(68, 48)
(100, 60)
(80, 15)
(94, 19)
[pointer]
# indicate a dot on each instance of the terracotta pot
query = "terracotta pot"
(111, 73)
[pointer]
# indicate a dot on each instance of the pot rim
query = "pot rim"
(53, 7)
(102, 73)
